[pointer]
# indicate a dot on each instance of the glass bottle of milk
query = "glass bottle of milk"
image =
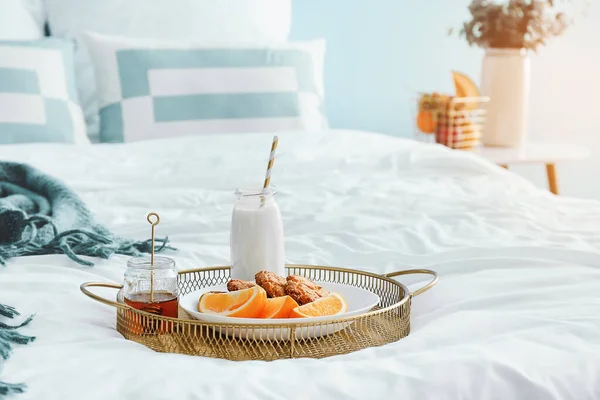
(256, 234)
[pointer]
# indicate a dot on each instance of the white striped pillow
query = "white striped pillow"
(38, 96)
(151, 89)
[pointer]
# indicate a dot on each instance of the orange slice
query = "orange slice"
(246, 303)
(278, 307)
(329, 305)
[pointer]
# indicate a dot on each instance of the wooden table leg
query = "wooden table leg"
(552, 182)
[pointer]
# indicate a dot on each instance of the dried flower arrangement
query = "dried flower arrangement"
(516, 24)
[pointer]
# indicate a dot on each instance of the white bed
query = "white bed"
(516, 313)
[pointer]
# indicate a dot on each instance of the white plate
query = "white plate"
(359, 301)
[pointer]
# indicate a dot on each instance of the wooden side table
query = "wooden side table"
(549, 154)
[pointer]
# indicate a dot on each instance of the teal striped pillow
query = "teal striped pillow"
(149, 89)
(38, 97)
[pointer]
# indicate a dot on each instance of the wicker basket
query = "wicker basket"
(458, 123)
(389, 321)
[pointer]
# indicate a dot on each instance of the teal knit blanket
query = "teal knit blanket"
(41, 215)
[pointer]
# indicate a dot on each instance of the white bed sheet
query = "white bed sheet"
(516, 313)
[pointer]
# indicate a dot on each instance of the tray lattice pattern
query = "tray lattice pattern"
(388, 322)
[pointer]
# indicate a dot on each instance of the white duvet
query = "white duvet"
(516, 314)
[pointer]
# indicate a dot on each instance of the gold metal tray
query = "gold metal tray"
(388, 322)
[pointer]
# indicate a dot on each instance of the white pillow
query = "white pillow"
(152, 89)
(192, 20)
(38, 96)
(21, 19)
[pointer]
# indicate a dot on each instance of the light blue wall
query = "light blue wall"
(375, 48)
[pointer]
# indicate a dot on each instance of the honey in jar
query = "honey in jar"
(165, 304)
(150, 288)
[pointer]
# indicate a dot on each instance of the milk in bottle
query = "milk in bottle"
(256, 234)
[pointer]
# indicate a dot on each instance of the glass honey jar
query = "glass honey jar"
(151, 288)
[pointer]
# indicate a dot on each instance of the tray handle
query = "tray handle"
(84, 288)
(425, 288)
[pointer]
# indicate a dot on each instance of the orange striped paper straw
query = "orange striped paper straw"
(271, 162)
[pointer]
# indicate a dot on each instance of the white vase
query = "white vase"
(505, 79)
